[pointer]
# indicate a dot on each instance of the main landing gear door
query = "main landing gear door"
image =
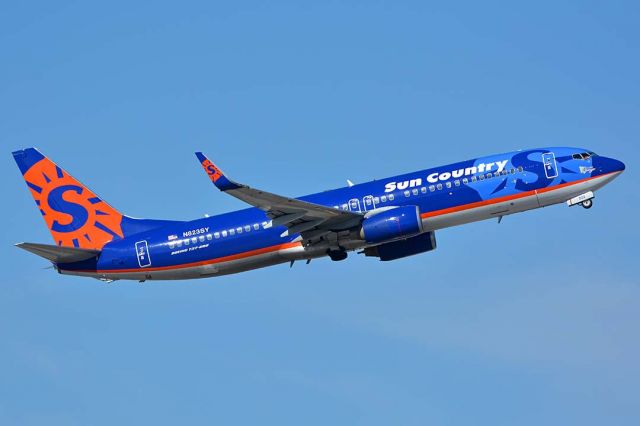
(550, 166)
(142, 251)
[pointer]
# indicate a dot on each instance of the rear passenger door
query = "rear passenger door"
(142, 251)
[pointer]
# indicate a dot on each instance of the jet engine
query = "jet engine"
(392, 224)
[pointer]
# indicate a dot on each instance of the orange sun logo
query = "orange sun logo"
(75, 216)
(213, 172)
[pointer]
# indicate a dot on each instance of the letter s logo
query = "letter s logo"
(212, 171)
(79, 214)
(534, 167)
(390, 187)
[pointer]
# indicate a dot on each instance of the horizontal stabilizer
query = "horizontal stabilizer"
(59, 254)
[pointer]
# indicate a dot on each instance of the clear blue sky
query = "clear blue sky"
(533, 321)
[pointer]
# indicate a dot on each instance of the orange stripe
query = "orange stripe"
(505, 198)
(206, 262)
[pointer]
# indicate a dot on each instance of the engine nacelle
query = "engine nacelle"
(392, 224)
(404, 248)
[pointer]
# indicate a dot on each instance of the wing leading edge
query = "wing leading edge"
(309, 219)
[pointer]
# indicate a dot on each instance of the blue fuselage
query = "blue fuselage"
(450, 195)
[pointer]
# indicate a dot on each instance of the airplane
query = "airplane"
(388, 219)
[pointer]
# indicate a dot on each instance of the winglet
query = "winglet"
(215, 174)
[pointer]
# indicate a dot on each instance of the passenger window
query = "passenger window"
(465, 181)
(179, 243)
(264, 224)
(489, 175)
(247, 228)
(172, 245)
(376, 200)
(504, 173)
(239, 230)
(439, 186)
(473, 178)
(367, 201)
(391, 197)
(423, 189)
(232, 232)
(520, 169)
(481, 177)
(201, 238)
(407, 193)
(216, 235)
(448, 184)
(186, 242)
(194, 240)
(457, 183)
(414, 191)
(345, 207)
(384, 198)
(256, 226)
(224, 233)
(513, 171)
(432, 188)
(209, 237)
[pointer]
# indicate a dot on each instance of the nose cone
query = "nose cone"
(616, 165)
(608, 165)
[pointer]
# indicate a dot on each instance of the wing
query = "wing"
(309, 219)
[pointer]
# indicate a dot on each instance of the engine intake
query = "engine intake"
(393, 224)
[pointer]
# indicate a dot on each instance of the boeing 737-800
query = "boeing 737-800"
(389, 219)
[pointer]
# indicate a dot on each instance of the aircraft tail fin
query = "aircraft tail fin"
(75, 215)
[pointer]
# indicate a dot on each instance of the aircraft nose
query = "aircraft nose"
(617, 165)
(611, 165)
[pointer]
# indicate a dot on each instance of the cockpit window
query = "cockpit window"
(583, 155)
